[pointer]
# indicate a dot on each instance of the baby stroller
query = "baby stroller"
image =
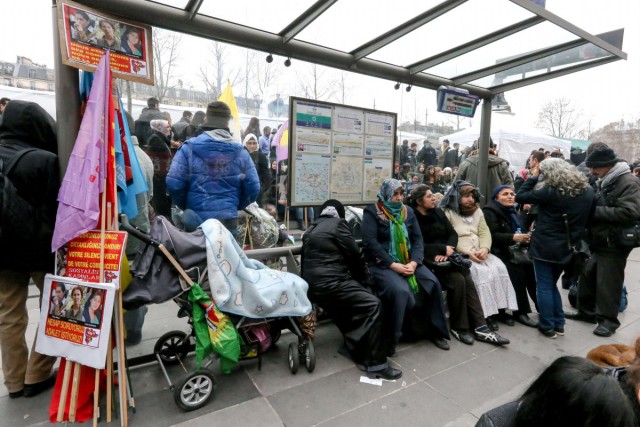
(166, 269)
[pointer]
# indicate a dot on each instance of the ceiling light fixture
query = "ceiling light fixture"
(408, 89)
(269, 59)
(396, 86)
(287, 62)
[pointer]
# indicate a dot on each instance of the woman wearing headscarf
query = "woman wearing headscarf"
(261, 163)
(393, 247)
(334, 268)
(507, 230)
(440, 240)
(489, 274)
(566, 203)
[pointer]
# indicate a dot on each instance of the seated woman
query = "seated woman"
(572, 391)
(393, 248)
(440, 240)
(489, 274)
(333, 267)
(506, 230)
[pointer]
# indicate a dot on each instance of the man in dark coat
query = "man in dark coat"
(618, 206)
(449, 155)
(334, 269)
(35, 176)
(404, 152)
(427, 154)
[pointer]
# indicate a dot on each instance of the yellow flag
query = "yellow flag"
(234, 124)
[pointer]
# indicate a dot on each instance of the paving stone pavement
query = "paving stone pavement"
(438, 388)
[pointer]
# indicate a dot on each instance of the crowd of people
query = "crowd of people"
(495, 263)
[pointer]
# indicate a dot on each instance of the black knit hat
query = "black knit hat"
(218, 114)
(339, 207)
(601, 156)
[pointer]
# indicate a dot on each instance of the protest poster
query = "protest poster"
(85, 34)
(75, 320)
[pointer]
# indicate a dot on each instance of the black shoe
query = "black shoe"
(392, 351)
(603, 331)
(463, 335)
(581, 317)
(492, 324)
(441, 343)
(15, 394)
(31, 390)
(507, 319)
(549, 334)
(559, 331)
(387, 373)
(526, 320)
(484, 334)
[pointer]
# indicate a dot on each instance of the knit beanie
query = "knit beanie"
(498, 189)
(218, 114)
(601, 156)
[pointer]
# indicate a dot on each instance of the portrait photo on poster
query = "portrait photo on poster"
(85, 34)
(75, 319)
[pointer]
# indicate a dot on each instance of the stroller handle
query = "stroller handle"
(126, 226)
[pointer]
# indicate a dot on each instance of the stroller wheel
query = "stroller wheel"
(195, 390)
(294, 358)
(172, 347)
(309, 354)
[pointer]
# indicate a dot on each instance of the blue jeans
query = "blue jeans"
(549, 300)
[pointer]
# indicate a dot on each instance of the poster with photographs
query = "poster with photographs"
(75, 320)
(85, 34)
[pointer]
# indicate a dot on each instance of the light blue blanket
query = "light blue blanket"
(246, 287)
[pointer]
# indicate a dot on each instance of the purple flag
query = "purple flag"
(79, 195)
(281, 142)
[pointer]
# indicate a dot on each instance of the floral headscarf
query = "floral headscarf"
(388, 187)
(451, 199)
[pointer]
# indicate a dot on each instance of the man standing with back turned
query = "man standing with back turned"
(618, 206)
(35, 175)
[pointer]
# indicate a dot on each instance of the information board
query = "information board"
(338, 152)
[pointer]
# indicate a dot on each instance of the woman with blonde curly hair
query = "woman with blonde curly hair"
(566, 203)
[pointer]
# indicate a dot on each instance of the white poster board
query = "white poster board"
(75, 320)
(338, 152)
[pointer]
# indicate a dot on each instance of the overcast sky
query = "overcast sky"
(604, 94)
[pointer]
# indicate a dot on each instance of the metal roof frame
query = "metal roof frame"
(189, 21)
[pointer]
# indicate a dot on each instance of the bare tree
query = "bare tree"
(166, 54)
(344, 88)
(315, 84)
(250, 58)
(214, 81)
(559, 118)
(265, 75)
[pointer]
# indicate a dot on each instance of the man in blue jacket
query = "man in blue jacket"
(212, 176)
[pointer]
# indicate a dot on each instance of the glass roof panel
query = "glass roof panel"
(263, 15)
(534, 38)
(451, 30)
(180, 4)
(579, 55)
(349, 24)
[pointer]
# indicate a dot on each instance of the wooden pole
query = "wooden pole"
(96, 395)
(65, 389)
(109, 379)
(75, 384)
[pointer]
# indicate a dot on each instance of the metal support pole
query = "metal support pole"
(483, 152)
(67, 99)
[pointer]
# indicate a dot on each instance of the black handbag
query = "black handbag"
(519, 255)
(580, 250)
(629, 237)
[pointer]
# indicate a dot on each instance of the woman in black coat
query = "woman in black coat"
(157, 148)
(334, 269)
(566, 203)
(466, 317)
(507, 230)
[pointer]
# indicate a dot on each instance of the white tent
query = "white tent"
(515, 141)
